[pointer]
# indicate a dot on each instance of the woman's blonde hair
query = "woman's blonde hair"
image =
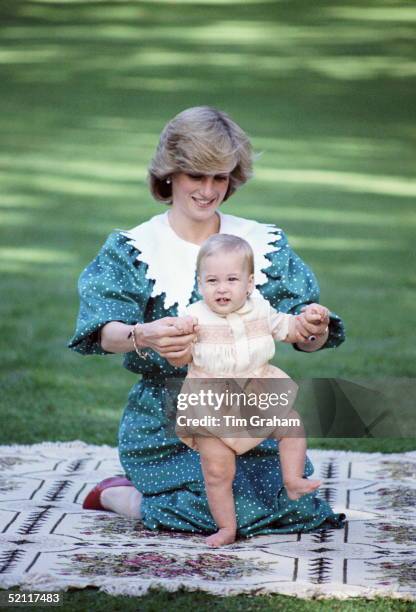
(200, 140)
(225, 243)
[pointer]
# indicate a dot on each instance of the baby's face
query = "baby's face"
(225, 282)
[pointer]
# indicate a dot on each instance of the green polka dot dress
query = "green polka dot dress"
(149, 273)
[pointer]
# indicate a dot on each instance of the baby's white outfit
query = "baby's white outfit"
(239, 346)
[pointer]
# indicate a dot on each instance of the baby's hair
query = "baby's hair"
(225, 243)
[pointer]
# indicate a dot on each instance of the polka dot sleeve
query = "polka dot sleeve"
(291, 285)
(113, 287)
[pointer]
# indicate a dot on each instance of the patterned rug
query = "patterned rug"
(48, 542)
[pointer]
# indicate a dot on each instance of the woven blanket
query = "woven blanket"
(47, 542)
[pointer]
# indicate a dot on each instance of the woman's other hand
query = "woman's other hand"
(186, 358)
(171, 337)
(312, 327)
(186, 324)
(317, 315)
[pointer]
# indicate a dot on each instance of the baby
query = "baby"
(235, 340)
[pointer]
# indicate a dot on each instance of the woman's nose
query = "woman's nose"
(207, 186)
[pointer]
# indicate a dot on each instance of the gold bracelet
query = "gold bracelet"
(140, 352)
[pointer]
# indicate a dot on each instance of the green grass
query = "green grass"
(182, 601)
(325, 91)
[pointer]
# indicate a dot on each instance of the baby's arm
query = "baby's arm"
(298, 328)
(283, 326)
(293, 335)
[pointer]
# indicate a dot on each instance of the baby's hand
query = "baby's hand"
(186, 325)
(313, 321)
(315, 314)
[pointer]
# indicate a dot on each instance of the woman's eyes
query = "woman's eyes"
(199, 177)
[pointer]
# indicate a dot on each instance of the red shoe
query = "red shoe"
(92, 501)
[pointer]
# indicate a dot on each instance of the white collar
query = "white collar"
(171, 260)
(246, 307)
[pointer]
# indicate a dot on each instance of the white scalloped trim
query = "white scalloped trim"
(171, 260)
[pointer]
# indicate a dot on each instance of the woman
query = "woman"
(130, 296)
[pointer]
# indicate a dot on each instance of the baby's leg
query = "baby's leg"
(218, 466)
(292, 451)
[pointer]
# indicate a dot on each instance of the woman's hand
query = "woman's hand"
(312, 327)
(186, 358)
(170, 337)
(316, 318)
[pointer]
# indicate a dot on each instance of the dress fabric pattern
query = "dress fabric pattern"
(115, 287)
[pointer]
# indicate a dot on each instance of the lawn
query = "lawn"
(325, 92)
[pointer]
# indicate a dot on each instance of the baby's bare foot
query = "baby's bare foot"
(301, 486)
(221, 538)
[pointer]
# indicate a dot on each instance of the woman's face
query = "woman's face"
(197, 196)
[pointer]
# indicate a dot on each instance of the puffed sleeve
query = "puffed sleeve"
(291, 284)
(113, 287)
